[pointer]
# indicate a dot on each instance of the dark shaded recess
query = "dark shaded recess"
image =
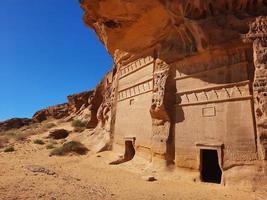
(211, 171)
(128, 155)
(112, 24)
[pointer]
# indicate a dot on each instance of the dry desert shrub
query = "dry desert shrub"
(79, 129)
(16, 135)
(50, 146)
(70, 147)
(9, 149)
(38, 141)
(78, 123)
(3, 141)
(49, 125)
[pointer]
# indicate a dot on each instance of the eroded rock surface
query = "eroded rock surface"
(175, 29)
(14, 123)
(188, 85)
(184, 83)
(57, 112)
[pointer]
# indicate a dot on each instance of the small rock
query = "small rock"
(39, 169)
(41, 195)
(149, 178)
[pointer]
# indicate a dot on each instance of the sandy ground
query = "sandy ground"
(91, 177)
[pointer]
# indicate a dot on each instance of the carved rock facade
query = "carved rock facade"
(189, 85)
(185, 84)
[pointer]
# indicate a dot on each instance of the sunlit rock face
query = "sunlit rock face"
(14, 123)
(187, 79)
(174, 29)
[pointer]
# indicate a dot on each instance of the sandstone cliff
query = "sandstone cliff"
(189, 77)
(180, 68)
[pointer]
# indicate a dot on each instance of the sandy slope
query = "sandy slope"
(91, 177)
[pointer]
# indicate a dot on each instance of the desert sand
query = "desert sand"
(30, 173)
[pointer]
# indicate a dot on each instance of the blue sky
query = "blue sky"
(46, 53)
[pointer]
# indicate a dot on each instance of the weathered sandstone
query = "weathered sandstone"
(56, 112)
(189, 83)
(188, 87)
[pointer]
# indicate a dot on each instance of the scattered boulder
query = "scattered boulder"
(9, 149)
(58, 134)
(70, 147)
(149, 178)
(14, 123)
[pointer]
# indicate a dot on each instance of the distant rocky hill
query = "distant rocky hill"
(82, 106)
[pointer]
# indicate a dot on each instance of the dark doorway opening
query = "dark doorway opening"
(210, 168)
(129, 150)
(128, 154)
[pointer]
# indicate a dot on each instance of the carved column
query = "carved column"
(258, 35)
(160, 118)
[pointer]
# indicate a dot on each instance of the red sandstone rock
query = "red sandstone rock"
(14, 123)
(57, 112)
(182, 81)
(77, 101)
(183, 87)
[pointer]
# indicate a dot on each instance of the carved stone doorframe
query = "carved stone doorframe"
(210, 146)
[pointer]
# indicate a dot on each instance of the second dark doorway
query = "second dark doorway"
(210, 168)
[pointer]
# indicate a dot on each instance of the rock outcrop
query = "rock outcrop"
(174, 29)
(79, 101)
(56, 112)
(79, 106)
(14, 123)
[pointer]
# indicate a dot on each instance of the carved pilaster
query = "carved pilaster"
(103, 114)
(258, 35)
(160, 118)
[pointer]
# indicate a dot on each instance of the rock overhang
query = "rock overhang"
(173, 29)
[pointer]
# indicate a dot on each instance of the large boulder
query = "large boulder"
(58, 134)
